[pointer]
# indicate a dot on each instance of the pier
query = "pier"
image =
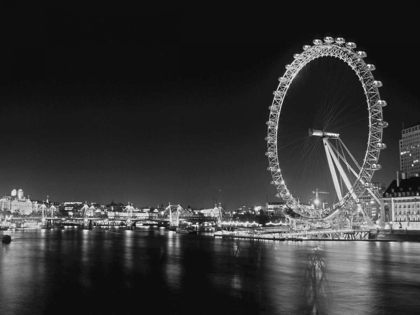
(335, 235)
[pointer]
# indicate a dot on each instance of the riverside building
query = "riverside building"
(410, 151)
(16, 203)
(402, 203)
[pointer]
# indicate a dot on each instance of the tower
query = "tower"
(410, 151)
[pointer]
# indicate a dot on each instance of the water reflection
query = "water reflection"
(315, 287)
(116, 271)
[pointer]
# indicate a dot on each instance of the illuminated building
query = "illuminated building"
(72, 206)
(16, 203)
(275, 207)
(410, 151)
(402, 203)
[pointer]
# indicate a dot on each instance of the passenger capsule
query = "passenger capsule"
(317, 42)
(383, 124)
(351, 45)
(328, 40)
(287, 67)
(306, 47)
(381, 145)
(361, 54)
(340, 40)
(296, 56)
(381, 102)
(284, 81)
(370, 67)
(377, 84)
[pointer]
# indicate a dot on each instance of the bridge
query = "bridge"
(172, 216)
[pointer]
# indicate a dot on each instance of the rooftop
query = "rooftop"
(406, 187)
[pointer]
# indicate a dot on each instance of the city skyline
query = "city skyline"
(105, 103)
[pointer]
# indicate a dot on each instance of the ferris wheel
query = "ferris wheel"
(363, 170)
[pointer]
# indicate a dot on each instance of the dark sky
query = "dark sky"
(162, 102)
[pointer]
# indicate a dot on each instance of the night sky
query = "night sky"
(162, 102)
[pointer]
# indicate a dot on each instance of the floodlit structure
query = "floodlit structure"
(16, 202)
(402, 203)
(347, 202)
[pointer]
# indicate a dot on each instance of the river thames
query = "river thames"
(148, 270)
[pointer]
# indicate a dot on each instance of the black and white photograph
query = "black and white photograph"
(163, 157)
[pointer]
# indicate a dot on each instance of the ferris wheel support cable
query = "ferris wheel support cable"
(332, 102)
(308, 161)
(333, 172)
(340, 168)
(341, 179)
(333, 109)
(371, 192)
(345, 161)
(292, 142)
(342, 108)
(346, 117)
(349, 153)
(340, 153)
(349, 124)
(339, 107)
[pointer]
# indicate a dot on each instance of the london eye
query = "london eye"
(329, 90)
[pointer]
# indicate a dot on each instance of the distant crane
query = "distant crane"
(317, 192)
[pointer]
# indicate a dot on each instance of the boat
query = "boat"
(186, 230)
(6, 239)
(59, 226)
(218, 233)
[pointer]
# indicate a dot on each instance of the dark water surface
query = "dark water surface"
(153, 271)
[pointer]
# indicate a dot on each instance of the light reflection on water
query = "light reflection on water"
(115, 271)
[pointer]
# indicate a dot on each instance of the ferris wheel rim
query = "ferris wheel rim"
(344, 51)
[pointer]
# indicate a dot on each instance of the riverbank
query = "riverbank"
(328, 235)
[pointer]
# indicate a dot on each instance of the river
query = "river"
(153, 271)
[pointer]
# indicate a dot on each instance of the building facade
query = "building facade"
(402, 204)
(275, 207)
(16, 203)
(410, 151)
